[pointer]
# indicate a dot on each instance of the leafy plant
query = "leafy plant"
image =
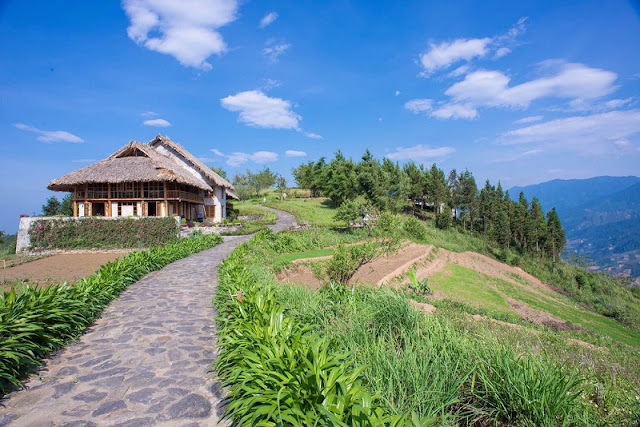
(420, 287)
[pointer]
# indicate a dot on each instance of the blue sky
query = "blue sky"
(521, 92)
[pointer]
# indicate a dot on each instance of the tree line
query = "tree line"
(454, 198)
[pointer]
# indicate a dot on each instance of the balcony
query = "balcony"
(185, 196)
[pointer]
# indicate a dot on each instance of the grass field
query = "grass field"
(314, 211)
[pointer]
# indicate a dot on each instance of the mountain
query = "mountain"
(601, 217)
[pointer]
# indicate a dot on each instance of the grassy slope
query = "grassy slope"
(316, 211)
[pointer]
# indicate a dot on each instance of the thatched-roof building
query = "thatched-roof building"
(160, 178)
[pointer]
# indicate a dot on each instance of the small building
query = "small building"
(160, 178)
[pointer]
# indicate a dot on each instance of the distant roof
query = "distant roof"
(137, 162)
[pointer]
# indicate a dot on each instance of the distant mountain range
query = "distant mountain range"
(601, 217)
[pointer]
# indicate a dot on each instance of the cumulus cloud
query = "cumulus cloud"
(162, 123)
(268, 19)
(592, 134)
(274, 52)
(238, 158)
(186, 29)
(444, 54)
(529, 119)
(50, 136)
(294, 153)
(420, 152)
(493, 89)
(259, 110)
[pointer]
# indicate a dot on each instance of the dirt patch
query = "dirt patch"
(537, 316)
(381, 270)
(60, 268)
(586, 344)
(423, 306)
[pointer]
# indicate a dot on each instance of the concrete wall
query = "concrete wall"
(23, 242)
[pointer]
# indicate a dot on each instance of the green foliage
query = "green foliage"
(347, 260)
(51, 207)
(276, 370)
(420, 287)
(526, 390)
(89, 233)
(66, 207)
(37, 321)
(252, 184)
(415, 228)
(443, 220)
(219, 171)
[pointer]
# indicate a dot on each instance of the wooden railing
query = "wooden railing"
(185, 196)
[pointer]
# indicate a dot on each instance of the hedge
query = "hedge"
(90, 233)
(37, 321)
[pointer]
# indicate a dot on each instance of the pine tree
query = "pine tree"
(438, 193)
(556, 236)
(536, 227)
(339, 179)
(468, 197)
(369, 180)
(415, 175)
(521, 217)
(52, 207)
(395, 184)
(453, 185)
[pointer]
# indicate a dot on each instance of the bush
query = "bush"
(415, 228)
(91, 233)
(36, 321)
(346, 261)
(443, 220)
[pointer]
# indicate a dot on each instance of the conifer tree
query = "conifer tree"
(536, 227)
(556, 237)
(369, 180)
(468, 197)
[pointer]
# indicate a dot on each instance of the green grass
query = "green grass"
(468, 286)
(314, 211)
(315, 253)
(568, 311)
(249, 208)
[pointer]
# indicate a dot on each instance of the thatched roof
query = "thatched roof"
(135, 162)
(232, 195)
(163, 140)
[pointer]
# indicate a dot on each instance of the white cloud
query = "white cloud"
(185, 29)
(459, 71)
(397, 92)
(420, 152)
(503, 51)
(419, 105)
(593, 134)
(446, 111)
(270, 84)
(444, 54)
(294, 153)
(312, 135)
(149, 114)
(574, 81)
(274, 52)
(50, 136)
(617, 103)
(455, 111)
(529, 119)
(162, 123)
(238, 158)
(519, 156)
(268, 19)
(259, 110)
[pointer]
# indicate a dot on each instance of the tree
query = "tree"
(242, 185)
(416, 178)
(395, 186)
(556, 236)
(468, 198)
(66, 207)
(520, 219)
(264, 180)
(437, 188)
(536, 227)
(51, 207)
(219, 171)
(339, 179)
(369, 179)
(453, 185)
(281, 185)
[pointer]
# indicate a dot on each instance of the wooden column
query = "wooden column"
(166, 205)
(109, 207)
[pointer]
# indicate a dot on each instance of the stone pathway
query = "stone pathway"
(146, 361)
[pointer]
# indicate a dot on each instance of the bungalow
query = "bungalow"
(160, 178)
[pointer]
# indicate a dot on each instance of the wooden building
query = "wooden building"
(160, 178)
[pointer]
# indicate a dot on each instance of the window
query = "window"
(98, 191)
(153, 190)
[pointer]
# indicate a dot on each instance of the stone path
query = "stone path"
(146, 361)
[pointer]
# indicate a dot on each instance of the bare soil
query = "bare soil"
(61, 268)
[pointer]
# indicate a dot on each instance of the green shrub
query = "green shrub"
(91, 233)
(346, 261)
(36, 321)
(415, 228)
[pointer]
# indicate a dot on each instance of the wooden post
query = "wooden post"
(109, 200)
(166, 205)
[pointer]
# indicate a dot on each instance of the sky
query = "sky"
(517, 92)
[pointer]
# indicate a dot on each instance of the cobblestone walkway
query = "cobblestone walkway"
(146, 361)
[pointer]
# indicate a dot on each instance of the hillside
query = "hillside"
(426, 317)
(601, 217)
